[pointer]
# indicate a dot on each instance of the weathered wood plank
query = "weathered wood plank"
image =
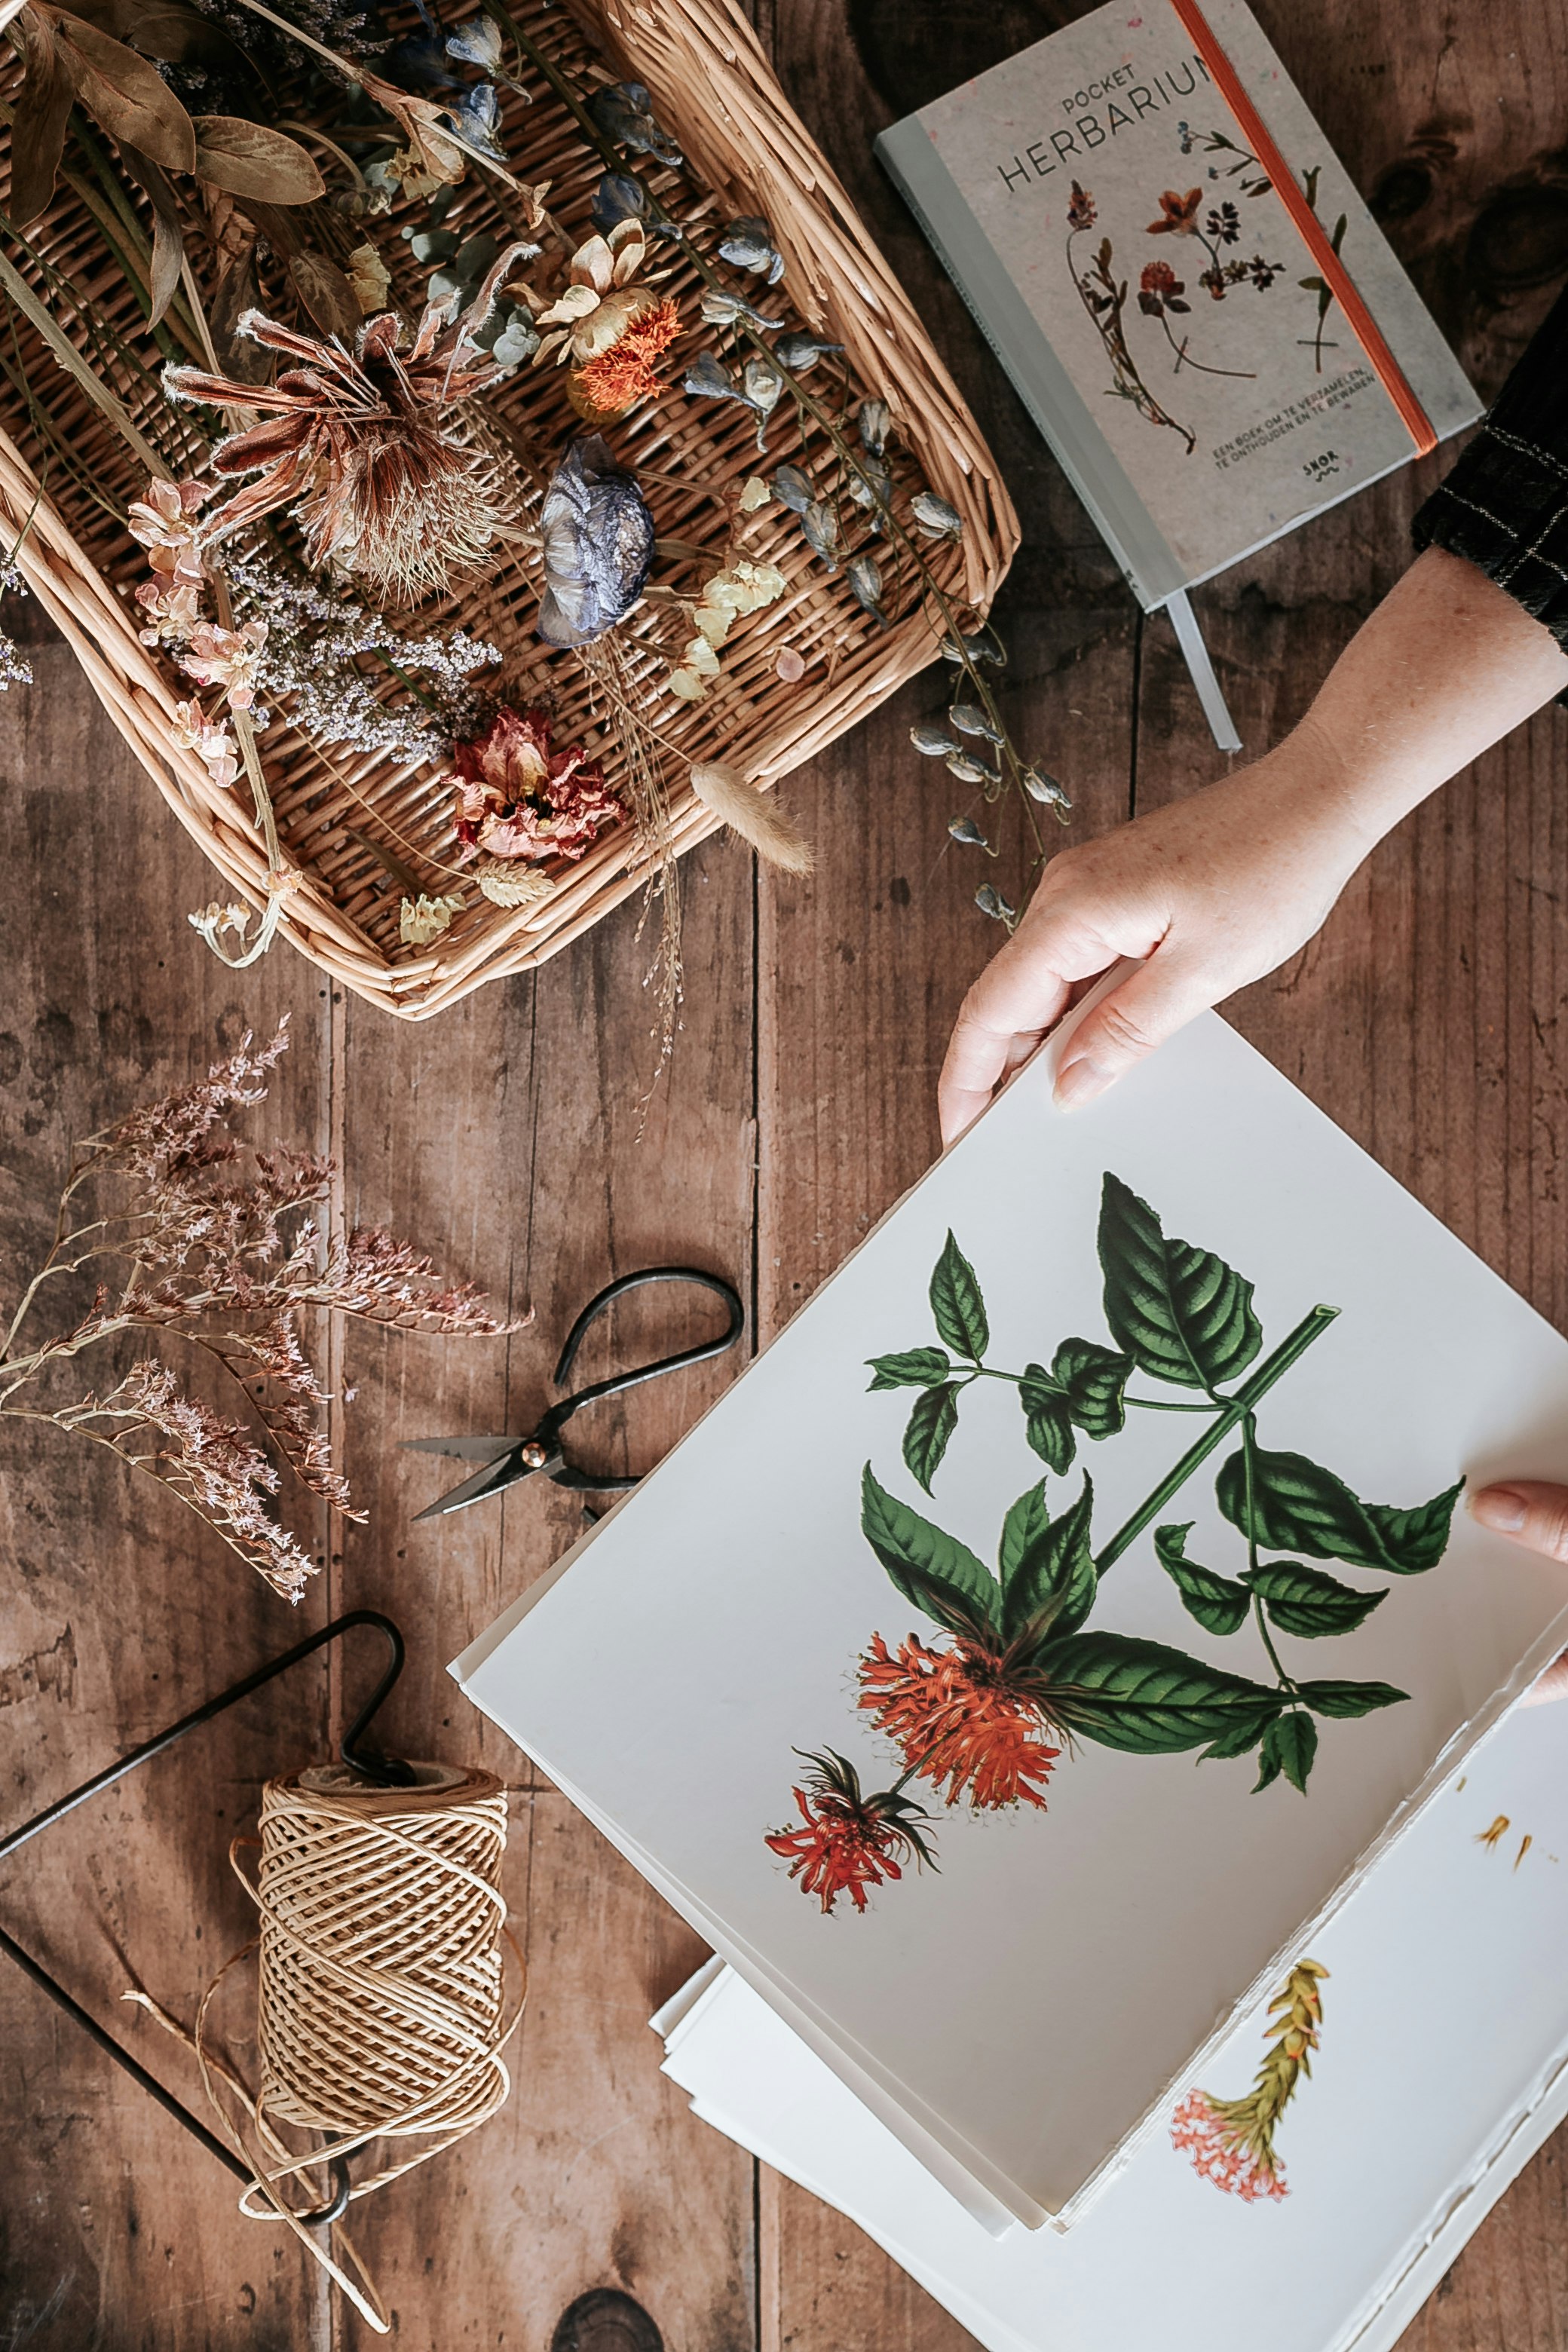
(121, 1612)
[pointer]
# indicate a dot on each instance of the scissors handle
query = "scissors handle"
(559, 1414)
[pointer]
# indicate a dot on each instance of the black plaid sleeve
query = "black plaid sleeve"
(1505, 504)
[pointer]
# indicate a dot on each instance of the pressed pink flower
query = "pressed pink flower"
(164, 522)
(173, 610)
(1081, 208)
(519, 797)
(1220, 2151)
(226, 657)
(210, 740)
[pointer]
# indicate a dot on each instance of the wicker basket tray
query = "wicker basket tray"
(334, 808)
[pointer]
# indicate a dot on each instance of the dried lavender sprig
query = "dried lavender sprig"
(314, 642)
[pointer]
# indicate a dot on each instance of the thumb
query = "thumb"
(1532, 1513)
(1159, 998)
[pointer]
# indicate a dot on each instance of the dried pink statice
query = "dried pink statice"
(220, 1250)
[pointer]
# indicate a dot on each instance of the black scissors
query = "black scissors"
(505, 1460)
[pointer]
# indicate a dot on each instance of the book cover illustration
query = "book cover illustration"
(1021, 1672)
(1139, 274)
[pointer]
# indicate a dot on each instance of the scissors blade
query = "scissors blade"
(492, 1479)
(466, 1449)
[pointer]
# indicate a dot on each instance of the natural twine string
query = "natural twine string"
(381, 2010)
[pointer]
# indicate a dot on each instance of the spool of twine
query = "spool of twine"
(381, 2005)
(381, 1969)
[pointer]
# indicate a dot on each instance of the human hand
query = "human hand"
(1210, 893)
(1535, 1514)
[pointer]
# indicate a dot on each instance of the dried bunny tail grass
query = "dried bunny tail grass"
(755, 815)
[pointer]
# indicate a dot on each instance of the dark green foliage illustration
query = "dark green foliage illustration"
(1182, 1318)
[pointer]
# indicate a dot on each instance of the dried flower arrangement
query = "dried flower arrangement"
(223, 1255)
(332, 325)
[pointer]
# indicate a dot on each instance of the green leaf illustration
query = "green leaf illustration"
(1145, 1699)
(1047, 1418)
(1219, 1605)
(941, 1576)
(1028, 1519)
(956, 1303)
(917, 1368)
(1304, 1602)
(1052, 1583)
(1244, 1733)
(1178, 1311)
(1348, 1698)
(1297, 1506)
(1289, 1744)
(1094, 1379)
(931, 1424)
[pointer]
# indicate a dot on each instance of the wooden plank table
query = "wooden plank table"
(1427, 1020)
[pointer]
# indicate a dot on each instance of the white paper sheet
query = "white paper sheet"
(1030, 2006)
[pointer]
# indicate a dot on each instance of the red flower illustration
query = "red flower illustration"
(847, 1841)
(958, 1720)
(1081, 208)
(1220, 2151)
(1178, 215)
(517, 796)
(1160, 290)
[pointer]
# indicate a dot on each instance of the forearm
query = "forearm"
(1445, 667)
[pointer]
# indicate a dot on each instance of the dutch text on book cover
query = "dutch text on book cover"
(1206, 379)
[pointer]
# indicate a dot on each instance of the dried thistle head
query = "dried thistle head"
(362, 446)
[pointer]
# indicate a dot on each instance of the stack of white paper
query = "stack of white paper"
(1443, 2067)
(1172, 1402)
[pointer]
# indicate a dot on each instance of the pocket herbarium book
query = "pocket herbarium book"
(1177, 272)
(1013, 1671)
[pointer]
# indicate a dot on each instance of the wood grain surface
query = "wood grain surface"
(1427, 1019)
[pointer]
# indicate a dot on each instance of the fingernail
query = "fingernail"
(1500, 1508)
(1078, 1082)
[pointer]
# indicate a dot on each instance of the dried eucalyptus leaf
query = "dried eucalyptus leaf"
(749, 244)
(964, 829)
(326, 294)
(708, 380)
(618, 197)
(38, 126)
(870, 484)
(935, 742)
(126, 95)
(721, 310)
(935, 517)
(799, 352)
(875, 421)
(820, 526)
(474, 256)
(865, 579)
(969, 719)
(518, 340)
(248, 159)
(168, 231)
(431, 244)
(983, 646)
(792, 489)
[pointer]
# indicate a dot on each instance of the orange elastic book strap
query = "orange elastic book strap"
(1335, 276)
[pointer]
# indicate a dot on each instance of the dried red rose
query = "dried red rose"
(519, 797)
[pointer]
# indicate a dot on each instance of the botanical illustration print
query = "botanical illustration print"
(1105, 301)
(985, 1711)
(1253, 181)
(1220, 225)
(1231, 2141)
